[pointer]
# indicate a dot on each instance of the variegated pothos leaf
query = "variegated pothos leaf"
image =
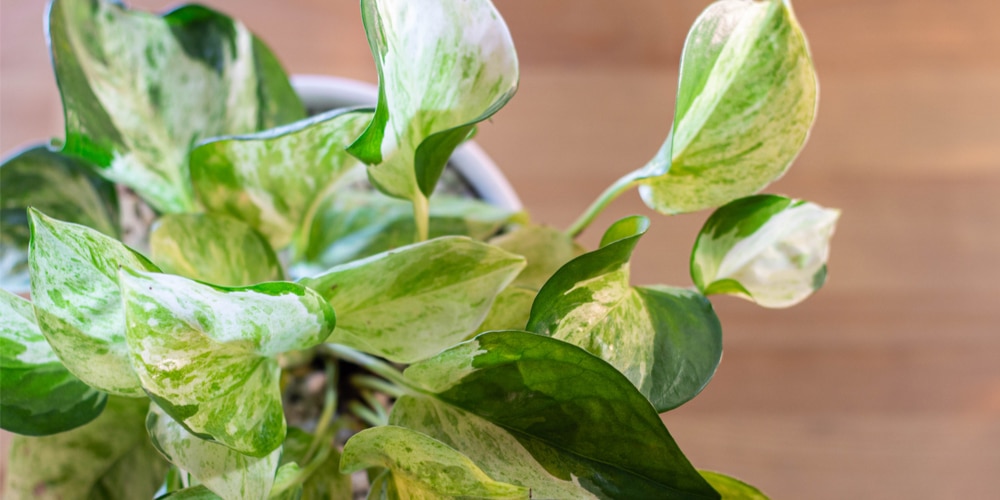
(206, 355)
(443, 66)
(74, 286)
(140, 90)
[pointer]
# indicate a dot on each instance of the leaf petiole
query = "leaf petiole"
(374, 365)
(613, 191)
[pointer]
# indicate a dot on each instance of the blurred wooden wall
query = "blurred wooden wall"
(884, 385)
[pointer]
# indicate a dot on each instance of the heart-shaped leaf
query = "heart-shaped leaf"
(667, 341)
(74, 286)
(422, 467)
(745, 103)
(410, 303)
(253, 177)
(222, 470)
(546, 250)
(206, 355)
(770, 249)
(139, 90)
(353, 224)
(214, 249)
(63, 187)
(443, 65)
(109, 458)
(537, 412)
(731, 488)
(40, 396)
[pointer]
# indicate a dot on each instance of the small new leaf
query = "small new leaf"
(422, 467)
(443, 67)
(745, 103)
(74, 286)
(206, 355)
(410, 303)
(769, 249)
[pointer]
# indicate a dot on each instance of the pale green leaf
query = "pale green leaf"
(214, 249)
(510, 310)
(225, 472)
(63, 187)
(579, 423)
(770, 249)
(74, 286)
(731, 488)
(139, 90)
(274, 180)
(109, 458)
(353, 224)
(410, 303)
(444, 65)
(545, 248)
(40, 396)
(422, 467)
(206, 355)
(745, 103)
(667, 341)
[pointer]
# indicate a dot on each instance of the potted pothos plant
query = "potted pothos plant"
(459, 350)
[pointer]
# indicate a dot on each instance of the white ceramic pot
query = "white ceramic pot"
(469, 160)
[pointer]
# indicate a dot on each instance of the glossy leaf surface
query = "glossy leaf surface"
(560, 420)
(353, 224)
(225, 472)
(667, 341)
(275, 179)
(422, 467)
(731, 488)
(40, 396)
(109, 458)
(214, 249)
(74, 286)
(410, 303)
(770, 249)
(443, 66)
(745, 103)
(139, 90)
(206, 355)
(55, 184)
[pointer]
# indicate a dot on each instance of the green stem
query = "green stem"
(376, 405)
(329, 407)
(613, 191)
(422, 216)
(365, 413)
(373, 364)
(377, 384)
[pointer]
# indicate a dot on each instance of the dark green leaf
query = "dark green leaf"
(745, 103)
(109, 458)
(40, 396)
(63, 187)
(541, 413)
(139, 90)
(769, 249)
(214, 249)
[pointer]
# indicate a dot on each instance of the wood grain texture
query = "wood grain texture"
(884, 385)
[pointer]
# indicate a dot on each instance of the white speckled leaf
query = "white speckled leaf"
(444, 65)
(40, 396)
(667, 341)
(139, 90)
(214, 249)
(745, 103)
(55, 184)
(225, 472)
(410, 303)
(74, 286)
(577, 422)
(353, 224)
(109, 458)
(206, 355)
(422, 467)
(274, 180)
(770, 249)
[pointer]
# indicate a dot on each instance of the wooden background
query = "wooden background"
(884, 385)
